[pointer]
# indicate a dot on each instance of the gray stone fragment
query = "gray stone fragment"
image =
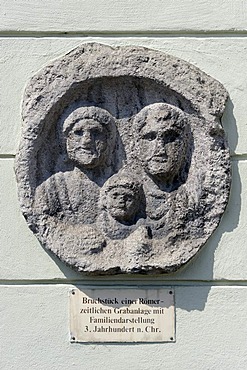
(123, 165)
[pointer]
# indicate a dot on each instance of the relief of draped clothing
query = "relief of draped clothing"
(69, 196)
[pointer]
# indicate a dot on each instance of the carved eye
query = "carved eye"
(171, 136)
(114, 195)
(150, 136)
(78, 132)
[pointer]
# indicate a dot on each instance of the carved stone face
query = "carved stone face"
(122, 198)
(122, 203)
(87, 143)
(89, 134)
(162, 144)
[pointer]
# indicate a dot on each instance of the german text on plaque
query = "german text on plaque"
(122, 315)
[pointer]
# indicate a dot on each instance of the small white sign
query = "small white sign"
(122, 315)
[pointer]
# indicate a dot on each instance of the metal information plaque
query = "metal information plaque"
(122, 315)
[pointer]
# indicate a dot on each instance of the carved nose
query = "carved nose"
(121, 200)
(86, 138)
(160, 144)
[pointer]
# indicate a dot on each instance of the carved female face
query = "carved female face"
(87, 143)
(162, 146)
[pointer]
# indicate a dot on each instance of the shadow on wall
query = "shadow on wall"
(230, 126)
(201, 268)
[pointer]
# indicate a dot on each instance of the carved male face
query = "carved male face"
(88, 138)
(162, 143)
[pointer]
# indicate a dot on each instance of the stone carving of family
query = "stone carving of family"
(116, 202)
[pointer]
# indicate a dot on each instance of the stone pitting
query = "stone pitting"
(123, 165)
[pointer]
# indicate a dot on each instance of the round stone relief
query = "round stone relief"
(123, 165)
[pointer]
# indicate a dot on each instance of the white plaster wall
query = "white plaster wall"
(211, 292)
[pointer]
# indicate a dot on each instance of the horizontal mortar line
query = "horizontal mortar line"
(3, 156)
(127, 33)
(128, 282)
(239, 157)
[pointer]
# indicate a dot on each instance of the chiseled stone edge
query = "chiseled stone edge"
(92, 60)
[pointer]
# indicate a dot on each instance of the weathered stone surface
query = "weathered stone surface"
(123, 164)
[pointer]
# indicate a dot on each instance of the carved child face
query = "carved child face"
(87, 143)
(122, 203)
(162, 146)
